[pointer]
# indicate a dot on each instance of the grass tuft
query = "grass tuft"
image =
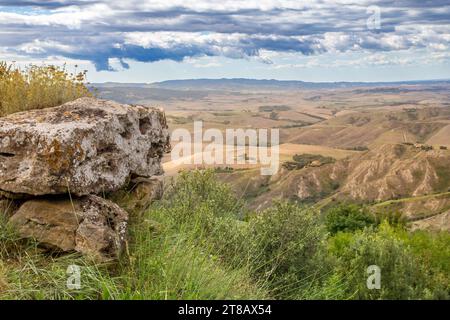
(37, 87)
(200, 243)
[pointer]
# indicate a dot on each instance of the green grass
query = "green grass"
(170, 263)
(412, 199)
(199, 242)
(170, 257)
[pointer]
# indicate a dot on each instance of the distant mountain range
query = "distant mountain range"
(241, 83)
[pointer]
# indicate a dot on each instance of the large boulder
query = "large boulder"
(91, 225)
(87, 146)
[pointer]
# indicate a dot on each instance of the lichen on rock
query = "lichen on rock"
(54, 162)
(88, 146)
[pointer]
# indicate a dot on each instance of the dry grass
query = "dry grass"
(441, 137)
(37, 87)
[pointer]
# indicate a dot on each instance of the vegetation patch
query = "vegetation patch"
(274, 108)
(301, 161)
(38, 87)
(199, 242)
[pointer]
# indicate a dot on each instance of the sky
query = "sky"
(157, 40)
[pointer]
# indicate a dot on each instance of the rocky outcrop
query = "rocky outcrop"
(83, 147)
(90, 225)
(140, 193)
(391, 171)
(144, 191)
(54, 162)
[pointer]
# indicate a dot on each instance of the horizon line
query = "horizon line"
(277, 80)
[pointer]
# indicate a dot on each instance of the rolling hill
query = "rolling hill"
(392, 177)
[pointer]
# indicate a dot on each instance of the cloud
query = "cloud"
(148, 31)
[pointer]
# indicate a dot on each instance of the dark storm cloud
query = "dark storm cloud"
(150, 31)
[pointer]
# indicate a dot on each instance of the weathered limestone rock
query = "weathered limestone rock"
(81, 148)
(139, 194)
(144, 191)
(52, 222)
(91, 225)
(87, 146)
(102, 233)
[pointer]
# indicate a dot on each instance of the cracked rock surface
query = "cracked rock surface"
(55, 161)
(88, 146)
(91, 225)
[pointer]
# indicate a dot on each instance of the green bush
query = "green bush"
(209, 211)
(285, 240)
(302, 160)
(403, 274)
(192, 245)
(200, 243)
(432, 249)
(348, 217)
(175, 262)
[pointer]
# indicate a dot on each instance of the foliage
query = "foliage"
(30, 272)
(200, 243)
(170, 261)
(37, 87)
(192, 245)
(285, 239)
(404, 275)
(302, 160)
(348, 217)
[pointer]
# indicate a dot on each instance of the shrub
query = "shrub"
(198, 205)
(348, 217)
(37, 87)
(302, 160)
(191, 245)
(403, 274)
(285, 239)
(194, 188)
(432, 249)
(179, 263)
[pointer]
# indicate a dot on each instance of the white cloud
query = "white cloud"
(109, 32)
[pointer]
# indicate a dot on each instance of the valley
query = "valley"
(389, 143)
